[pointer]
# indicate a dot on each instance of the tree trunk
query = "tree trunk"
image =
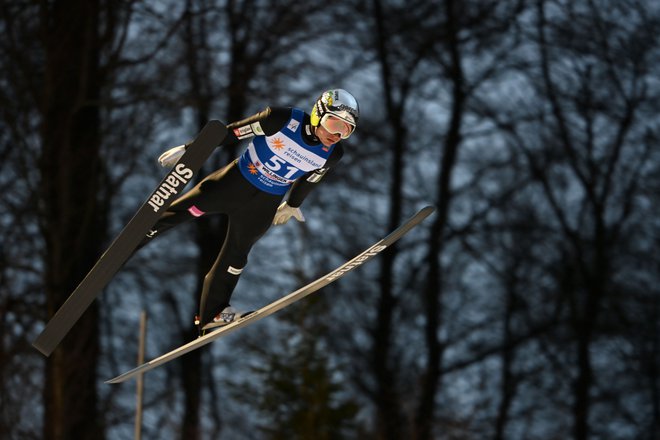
(73, 222)
(389, 418)
(434, 286)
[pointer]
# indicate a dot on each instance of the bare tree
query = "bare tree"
(580, 128)
(70, 213)
(532, 292)
(228, 52)
(64, 113)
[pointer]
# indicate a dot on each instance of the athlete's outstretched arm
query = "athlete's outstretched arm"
(266, 122)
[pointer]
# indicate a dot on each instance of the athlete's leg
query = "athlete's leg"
(245, 228)
(211, 196)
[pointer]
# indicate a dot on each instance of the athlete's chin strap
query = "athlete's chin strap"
(285, 212)
(310, 131)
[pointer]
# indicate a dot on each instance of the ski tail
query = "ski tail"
(130, 237)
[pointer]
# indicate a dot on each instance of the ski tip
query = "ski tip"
(428, 209)
(216, 128)
(425, 212)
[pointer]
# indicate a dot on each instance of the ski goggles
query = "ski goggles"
(335, 125)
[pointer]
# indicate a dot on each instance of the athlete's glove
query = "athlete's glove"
(285, 212)
(171, 156)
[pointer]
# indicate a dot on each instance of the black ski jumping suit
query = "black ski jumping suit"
(283, 156)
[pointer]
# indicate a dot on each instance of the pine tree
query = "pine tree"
(302, 395)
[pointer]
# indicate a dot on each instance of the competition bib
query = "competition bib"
(273, 163)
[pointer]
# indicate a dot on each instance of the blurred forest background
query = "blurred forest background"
(526, 307)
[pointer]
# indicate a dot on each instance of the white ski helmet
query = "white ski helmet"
(337, 102)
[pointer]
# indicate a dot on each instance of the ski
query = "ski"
(284, 301)
(130, 237)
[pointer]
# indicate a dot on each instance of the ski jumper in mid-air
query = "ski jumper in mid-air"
(288, 154)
